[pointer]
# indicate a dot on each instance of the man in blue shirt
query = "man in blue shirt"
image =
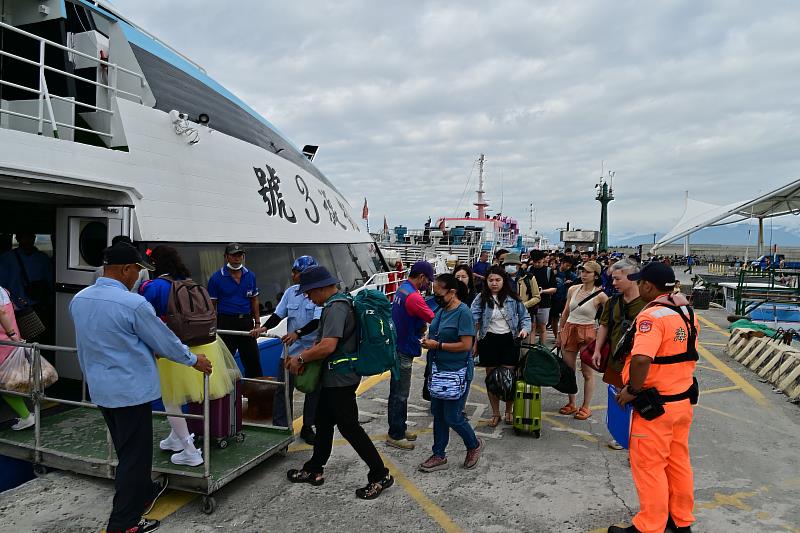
(234, 290)
(303, 319)
(118, 335)
(480, 268)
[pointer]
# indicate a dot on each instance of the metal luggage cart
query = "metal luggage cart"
(77, 439)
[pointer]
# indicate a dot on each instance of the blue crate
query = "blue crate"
(270, 351)
(618, 419)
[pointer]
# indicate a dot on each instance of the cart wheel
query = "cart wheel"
(223, 443)
(239, 437)
(537, 433)
(209, 504)
(39, 470)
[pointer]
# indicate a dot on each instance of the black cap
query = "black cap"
(123, 253)
(658, 274)
(234, 248)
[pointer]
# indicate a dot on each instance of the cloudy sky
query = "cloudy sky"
(402, 97)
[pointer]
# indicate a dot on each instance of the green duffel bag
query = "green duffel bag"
(540, 366)
(308, 381)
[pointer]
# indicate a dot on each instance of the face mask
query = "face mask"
(237, 267)
(440, 300)
(511, 269)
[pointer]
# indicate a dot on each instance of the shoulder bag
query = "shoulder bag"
(446, 384)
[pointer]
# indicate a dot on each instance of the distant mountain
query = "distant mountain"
(733, 234)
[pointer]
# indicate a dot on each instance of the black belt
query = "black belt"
(673, 359)
(243, 315)
(689, 394)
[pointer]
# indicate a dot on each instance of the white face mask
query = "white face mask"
(511, 269)
(237, 267)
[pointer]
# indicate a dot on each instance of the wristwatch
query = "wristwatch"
(298, 333)
(300, 360)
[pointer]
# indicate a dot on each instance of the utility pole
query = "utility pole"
(605, 194)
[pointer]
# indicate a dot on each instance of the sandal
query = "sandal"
(568, 409)
(373, 490)
(583, 414)
(304, 476)
(509, 419)
(494, 421)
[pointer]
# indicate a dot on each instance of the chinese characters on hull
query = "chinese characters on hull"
(272, 196)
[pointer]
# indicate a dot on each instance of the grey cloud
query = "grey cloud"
(674, 96)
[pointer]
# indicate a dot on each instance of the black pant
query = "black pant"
(132, 433)
(247, 346)
(337, 407)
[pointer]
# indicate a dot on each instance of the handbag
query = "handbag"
(308, 380)
(540, 366)
(29, 324)
(567, 382)
(447, 384)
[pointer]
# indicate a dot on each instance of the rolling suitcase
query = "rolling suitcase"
(225, 422)
(527, 409)
(618, 419)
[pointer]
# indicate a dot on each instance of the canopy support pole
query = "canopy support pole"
(760, 236)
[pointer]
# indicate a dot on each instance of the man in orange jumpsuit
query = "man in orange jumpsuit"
(661, 386)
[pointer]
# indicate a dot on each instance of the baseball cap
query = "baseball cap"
(591, 266)
(422, 267)
(234, 248)
(656, 273)
(123, 253)
(304, 262)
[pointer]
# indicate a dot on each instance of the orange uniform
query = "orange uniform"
(659, 448)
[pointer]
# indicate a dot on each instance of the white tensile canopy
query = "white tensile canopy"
(699, 215)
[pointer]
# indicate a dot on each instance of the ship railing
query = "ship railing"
(45, 97)
(38, 397)
(385, 282)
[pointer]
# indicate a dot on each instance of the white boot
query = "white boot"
(190, 455)
(171, 443)
(24, 423)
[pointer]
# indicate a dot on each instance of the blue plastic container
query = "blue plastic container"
(15, 472)
(618, 419)
(270, 351)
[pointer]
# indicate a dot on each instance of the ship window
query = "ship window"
(92, 240)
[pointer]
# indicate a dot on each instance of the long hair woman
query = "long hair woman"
(578, 328)
(181, 384)
(500, 318)
(449, 344)
(463, 273)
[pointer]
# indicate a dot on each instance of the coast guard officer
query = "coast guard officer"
(661, 386)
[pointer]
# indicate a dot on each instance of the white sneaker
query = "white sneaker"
(187, 458)
(172, 443)
(24, 423)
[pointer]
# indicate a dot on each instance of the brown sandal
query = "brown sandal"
(583, 414)
(494, 421)
(568, 409)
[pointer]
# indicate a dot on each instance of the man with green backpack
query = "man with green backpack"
(347, 328)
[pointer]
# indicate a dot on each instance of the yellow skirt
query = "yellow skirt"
(182, 384)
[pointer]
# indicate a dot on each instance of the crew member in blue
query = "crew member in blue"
(303, 319)
(234, 291)
(410, 314)
(117, 334)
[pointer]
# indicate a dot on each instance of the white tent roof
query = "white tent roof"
(699, 215)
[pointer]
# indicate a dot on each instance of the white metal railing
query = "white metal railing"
(386, 282)
(45, 97)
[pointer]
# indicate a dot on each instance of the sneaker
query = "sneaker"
(172, 443)
(433, 464)
(411, 436)
(473, 455)
(401, 444)
(373, 490)
(187, 458)
(308, 435)
(159, 486)
(614, 445)
(24, 423)
(144, 526)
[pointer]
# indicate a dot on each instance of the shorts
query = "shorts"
(541, 315)
(576, 336)
(556, 309)
(498, 350)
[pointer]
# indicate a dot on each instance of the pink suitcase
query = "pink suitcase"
(225, 422)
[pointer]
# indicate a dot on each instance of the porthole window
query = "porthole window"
(92, 241)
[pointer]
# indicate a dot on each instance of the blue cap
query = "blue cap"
(316, 277)
(422, 267)
(304, 262)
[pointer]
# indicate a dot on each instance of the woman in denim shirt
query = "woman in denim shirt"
(500, 317)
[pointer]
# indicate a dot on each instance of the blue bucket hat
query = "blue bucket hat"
(316, 277)
(303, 263)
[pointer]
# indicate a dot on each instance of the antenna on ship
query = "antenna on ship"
(481, 204)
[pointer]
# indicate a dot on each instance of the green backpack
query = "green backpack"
(377, 339)
(540, 367)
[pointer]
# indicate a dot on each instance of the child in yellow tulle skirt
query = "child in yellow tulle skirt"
(181, 384)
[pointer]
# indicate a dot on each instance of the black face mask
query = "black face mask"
(440, 300)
